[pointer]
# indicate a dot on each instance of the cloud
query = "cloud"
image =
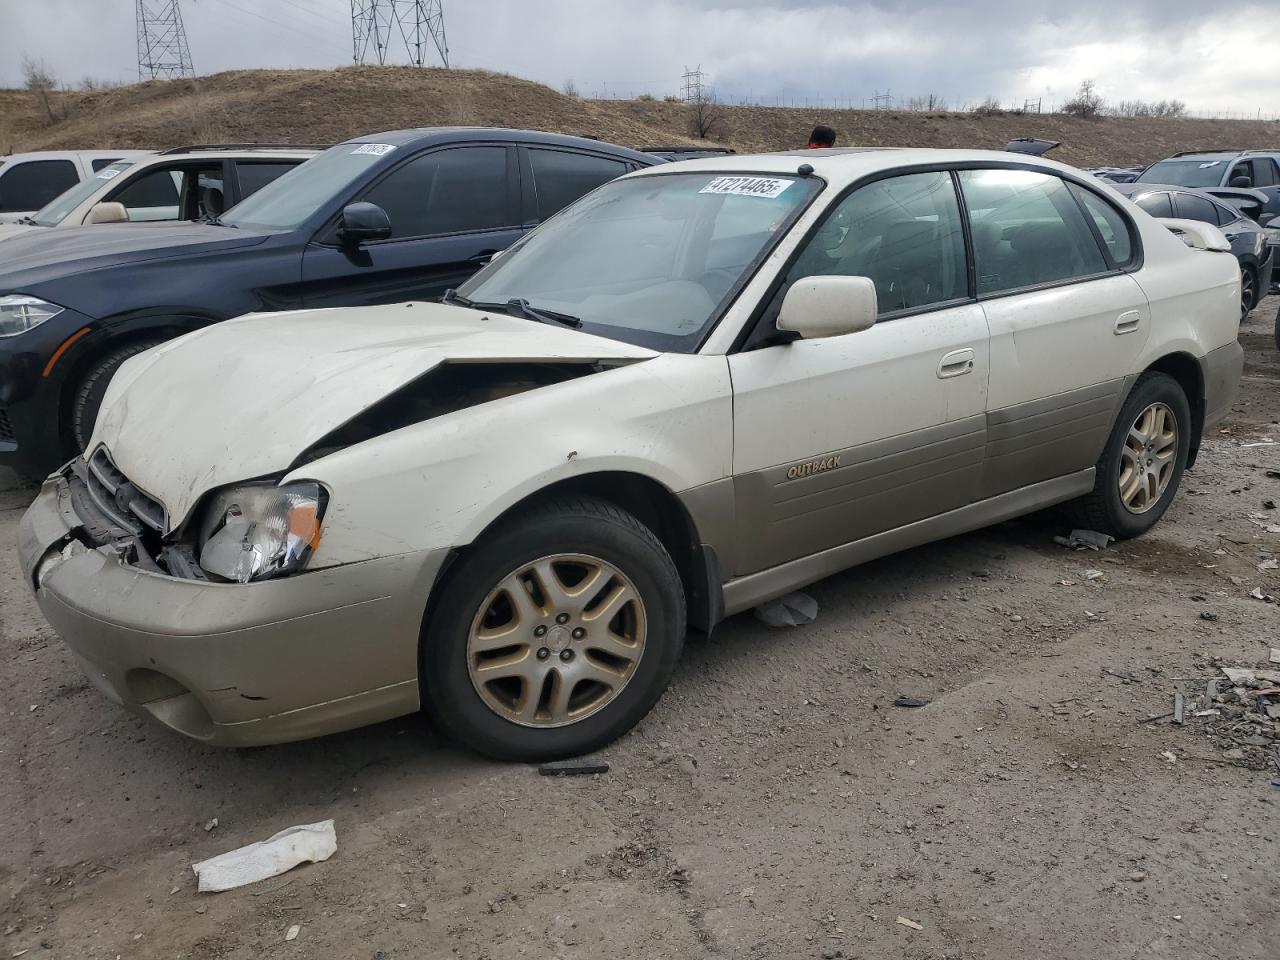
(788, 49)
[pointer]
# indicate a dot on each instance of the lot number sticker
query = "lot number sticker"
(767, 187)
(108, 174)
(376, 149)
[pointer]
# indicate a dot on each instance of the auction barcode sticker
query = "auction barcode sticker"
(376, 149)
(767, 187)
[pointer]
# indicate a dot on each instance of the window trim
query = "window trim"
(513, 207)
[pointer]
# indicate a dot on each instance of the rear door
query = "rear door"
(451, 209)
(1067, 322)
(252, 175)
(840, 438)
(27, 185)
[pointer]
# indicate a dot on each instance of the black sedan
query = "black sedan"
(1248, 242)
(384, 218)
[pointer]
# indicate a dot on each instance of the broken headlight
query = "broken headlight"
(19, 313)
(259, 532)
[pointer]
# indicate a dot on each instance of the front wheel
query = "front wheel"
(1142, 464)
(555, 635)
(87, 400)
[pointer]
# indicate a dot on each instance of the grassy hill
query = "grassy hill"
(326, 106)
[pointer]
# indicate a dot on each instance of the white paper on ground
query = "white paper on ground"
(309, 843)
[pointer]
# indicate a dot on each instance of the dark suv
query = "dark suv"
(1221, 172)
(382, 219)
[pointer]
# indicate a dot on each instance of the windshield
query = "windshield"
(648, 260)
(1186, 173)
(60, 206)
(288, 202)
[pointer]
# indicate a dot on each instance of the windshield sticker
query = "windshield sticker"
(108, 174)
(767, 187)
(1211, 163)
(374, 149)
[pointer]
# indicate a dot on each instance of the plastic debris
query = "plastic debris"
(791, 610)
(910, 702)
(1085, 540)
(1170, 756)
(292, 933)
(909, 923)
(309, 843)
(211, 825)
(1094, 575)
(573, 768)
(1257, 594)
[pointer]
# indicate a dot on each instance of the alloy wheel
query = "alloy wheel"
(1246, 292)
(1148, 458)
(556, 640)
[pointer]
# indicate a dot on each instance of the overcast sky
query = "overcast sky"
(1214, 56)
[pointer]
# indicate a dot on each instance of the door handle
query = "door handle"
(956, 363)
(1128, 322)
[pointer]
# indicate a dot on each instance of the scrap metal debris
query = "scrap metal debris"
(1084, 540)
(581, 767)
(1238, 712)
(791, 610)
(309, 843)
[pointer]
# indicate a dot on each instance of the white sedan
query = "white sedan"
(700, 387)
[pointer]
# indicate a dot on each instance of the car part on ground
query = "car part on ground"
(390, 217)
(510, 519)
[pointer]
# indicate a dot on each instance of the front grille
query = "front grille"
(119, 499)
(6, 429)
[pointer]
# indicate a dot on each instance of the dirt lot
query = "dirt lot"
(775, 804)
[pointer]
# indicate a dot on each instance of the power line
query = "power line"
(292, 28)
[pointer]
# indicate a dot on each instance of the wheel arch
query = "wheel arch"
(654, 505)
(1186, 370)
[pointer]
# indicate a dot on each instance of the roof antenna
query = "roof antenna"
(804, 169)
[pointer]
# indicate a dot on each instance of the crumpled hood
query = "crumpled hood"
(242, 399)
(39, 255)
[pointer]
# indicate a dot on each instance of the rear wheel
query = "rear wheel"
(87, 400)
(1248, 291)
(555, 635)
(1142, 464)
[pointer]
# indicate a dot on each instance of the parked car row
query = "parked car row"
(505, 497)
(388, 218)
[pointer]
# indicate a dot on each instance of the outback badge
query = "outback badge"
(812, 467)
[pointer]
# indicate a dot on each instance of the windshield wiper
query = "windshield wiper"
(516, 307)
(217, 222)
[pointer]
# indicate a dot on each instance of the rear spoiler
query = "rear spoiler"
(1249, 202)
(1196, 234)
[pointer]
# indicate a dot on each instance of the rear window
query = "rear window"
(1156, 204)
(31, 185)
(255, 176)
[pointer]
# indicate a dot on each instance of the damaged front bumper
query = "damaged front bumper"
(231, 664)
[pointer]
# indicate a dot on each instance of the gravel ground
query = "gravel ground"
(775, 804)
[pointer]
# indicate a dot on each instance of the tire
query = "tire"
(87, 400)
(1249, 294)
(500, 718)
(1104, 509)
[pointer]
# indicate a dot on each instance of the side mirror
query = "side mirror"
(817, 307)
(363, 222)
(1246, 182)
(107, 213)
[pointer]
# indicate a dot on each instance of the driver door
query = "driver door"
(841, 438)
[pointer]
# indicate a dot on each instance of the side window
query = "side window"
(102, 162)
(1192, 207)
(904, 233)
(152, 196)
(559, 177)
(30, 185)
(450, 191)
(1027, 230)
(1264, 172)
(1225, 214)
(1157, 204)
(1242, 169)
(255, 176)
(1111, 224)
